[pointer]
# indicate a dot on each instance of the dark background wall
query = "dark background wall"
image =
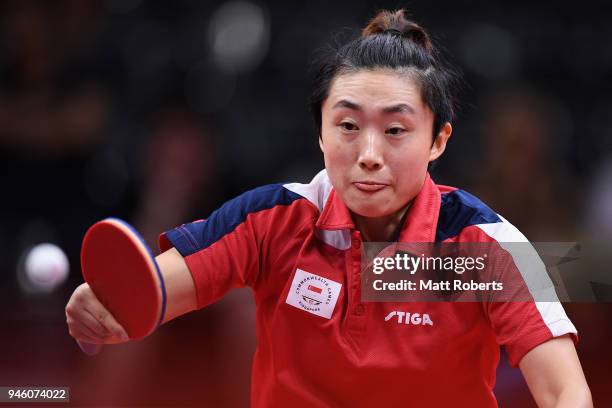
(159, 111)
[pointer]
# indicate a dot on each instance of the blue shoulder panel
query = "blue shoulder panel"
(460, 209)
(192, 237)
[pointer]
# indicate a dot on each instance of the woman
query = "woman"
(383, 106)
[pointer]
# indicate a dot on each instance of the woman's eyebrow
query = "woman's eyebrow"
(399, 108)
(343, 103)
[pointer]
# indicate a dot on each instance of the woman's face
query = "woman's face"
(376, 137)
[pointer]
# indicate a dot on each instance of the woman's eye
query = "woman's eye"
(395, 131)
(348, 126)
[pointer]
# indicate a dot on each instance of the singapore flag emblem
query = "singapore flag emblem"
(313, 293)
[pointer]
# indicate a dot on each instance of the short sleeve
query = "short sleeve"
(533, 315)
(226, 250)
(521, 326)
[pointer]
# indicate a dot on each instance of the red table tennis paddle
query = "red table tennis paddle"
(123, 274)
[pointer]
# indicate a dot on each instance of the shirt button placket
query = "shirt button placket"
(359, 308)
(356, 320)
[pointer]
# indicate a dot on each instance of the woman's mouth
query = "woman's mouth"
(369, 186)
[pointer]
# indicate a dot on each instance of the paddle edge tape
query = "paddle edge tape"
(131, 231)
(162, 285)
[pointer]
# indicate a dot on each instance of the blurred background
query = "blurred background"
(159, 111)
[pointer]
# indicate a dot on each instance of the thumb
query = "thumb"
(90, 349)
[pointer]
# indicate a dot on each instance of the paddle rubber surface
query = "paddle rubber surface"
(122, 272)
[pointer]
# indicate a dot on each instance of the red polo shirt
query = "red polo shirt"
(318, 345)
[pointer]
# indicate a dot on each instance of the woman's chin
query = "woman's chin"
(369, 211)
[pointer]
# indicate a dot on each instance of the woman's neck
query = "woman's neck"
(380, 229)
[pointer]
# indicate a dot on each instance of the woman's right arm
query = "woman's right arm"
(90, 322)
(229, 250)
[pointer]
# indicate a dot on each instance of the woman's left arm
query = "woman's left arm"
(554, 375)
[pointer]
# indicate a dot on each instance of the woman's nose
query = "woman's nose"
(371, 152)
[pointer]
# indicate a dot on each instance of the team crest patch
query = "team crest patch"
(314, 294)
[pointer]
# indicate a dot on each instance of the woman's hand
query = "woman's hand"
(90, 323)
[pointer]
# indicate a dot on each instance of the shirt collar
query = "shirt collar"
(420, 222)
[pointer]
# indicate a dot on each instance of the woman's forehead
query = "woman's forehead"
(374, 89)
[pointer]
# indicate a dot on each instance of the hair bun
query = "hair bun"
(395, 23)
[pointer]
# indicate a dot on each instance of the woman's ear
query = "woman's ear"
(439, 144)
(321, 143)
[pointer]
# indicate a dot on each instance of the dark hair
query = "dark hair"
(392, 41)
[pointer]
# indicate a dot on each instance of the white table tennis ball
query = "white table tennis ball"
(46, 266)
